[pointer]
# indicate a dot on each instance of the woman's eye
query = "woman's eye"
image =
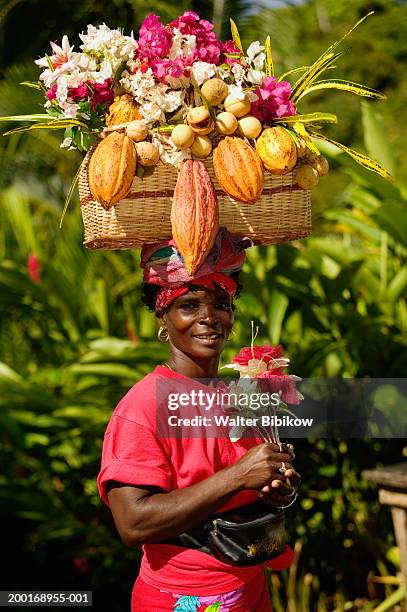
(188, 305)
(223, 305)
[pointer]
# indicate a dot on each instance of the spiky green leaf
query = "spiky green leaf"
(39, 117)
(69, 196)
(301, 131)
(269, 58)
(322, 63)
(32, 85)
(308, 118)
(361, 159)
(355, 88)
(236, 36)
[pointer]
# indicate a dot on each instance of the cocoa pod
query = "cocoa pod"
(238, 169)
(122, 110)
(111, 169)
(277, 150)
(194, 214)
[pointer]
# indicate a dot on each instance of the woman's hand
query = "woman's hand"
(280, 493)
(262, 465)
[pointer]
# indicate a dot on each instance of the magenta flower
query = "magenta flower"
(273, 100)
(102, 93)
(228, 47)
(165, 67)
(208, 48)
(52, 92)
(155, 40)
(33, 268)
(79, 93)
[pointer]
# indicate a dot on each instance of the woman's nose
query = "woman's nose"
(208, 314)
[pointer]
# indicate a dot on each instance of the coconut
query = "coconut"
(249, 126)
(200, 120)
(182, 136)
(215, 91)
(226, 123)
(147, 153)
(307, 177)
(137, 130)
(237, 106)
(202, 146)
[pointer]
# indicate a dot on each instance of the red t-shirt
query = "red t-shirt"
(134, 454)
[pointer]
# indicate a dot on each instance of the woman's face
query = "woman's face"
(199, 322)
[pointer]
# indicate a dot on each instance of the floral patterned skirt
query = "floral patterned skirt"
(250, 597)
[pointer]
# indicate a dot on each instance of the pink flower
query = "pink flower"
(102, 93)
(165, 67)
(264, 353)
(155, 40)
(208, 48)
(52, 92)
(284, 384)
(273, 100)
(33, 268)
(228, 47)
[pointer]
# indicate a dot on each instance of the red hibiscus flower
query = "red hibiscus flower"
(264, 353)
(279, 383)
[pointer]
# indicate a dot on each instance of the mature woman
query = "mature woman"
(160, 487)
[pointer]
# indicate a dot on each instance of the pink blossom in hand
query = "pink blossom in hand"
(273, 100)
(264, 353)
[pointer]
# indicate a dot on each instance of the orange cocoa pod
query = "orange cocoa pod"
(238, 169)
(277, 150)
(194, 214)
(112, 168)
(123, 109)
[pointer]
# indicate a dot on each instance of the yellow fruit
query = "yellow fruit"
(147, 153)
(226, 123)
(200, 120)
(320, 163)
(122, 110)
(111, 169)
(277, 150)
(249, 126)
(215, 91)
(307, 177)
(183, 136)
(238, 169)
(137, 130)
(236, 106)
(202, 146)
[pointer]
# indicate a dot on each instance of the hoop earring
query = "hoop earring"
(162, 335)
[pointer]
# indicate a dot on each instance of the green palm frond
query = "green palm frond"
(308, 118)
(361, 159)
(355, 88)
(320, 64)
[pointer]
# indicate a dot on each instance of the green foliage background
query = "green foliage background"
(73, 343)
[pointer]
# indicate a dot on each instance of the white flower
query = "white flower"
(254, 49)
(238, 72)
(255, 76)
(202, 71)
(61, 54)
(236, 91)
(183, 45)
(169, 153)
(258, 61)
(223, 73)
(67, 144)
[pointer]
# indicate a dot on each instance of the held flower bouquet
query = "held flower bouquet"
(176, 93)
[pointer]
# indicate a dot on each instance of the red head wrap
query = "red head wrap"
(164, 266)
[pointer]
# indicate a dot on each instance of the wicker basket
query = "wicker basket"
(282, 213)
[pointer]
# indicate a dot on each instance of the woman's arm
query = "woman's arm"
(143, 516)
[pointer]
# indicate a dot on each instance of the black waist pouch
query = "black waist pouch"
(244, 536)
